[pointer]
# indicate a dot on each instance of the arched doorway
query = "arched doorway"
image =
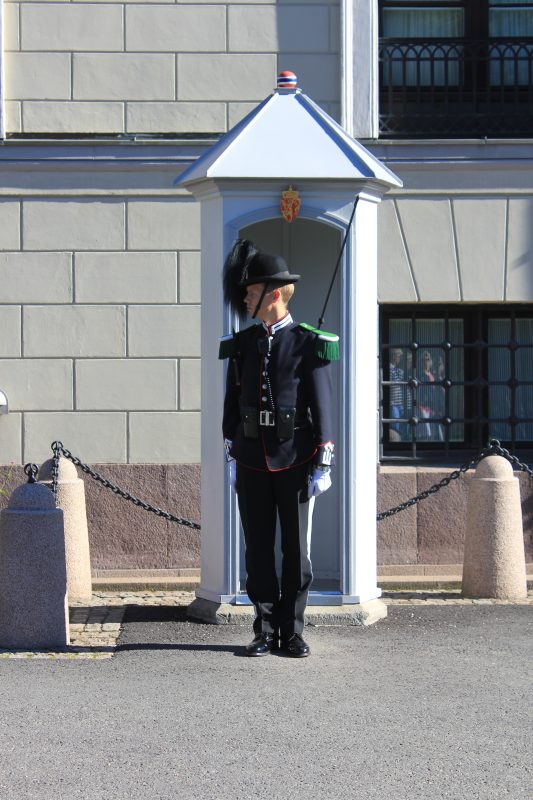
(311, 249)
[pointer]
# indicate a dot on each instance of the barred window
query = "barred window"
(454, 377)
(456, 67)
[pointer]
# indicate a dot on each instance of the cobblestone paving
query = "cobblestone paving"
(95, 626)
(452, 597)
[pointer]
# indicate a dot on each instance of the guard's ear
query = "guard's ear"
(277, 295)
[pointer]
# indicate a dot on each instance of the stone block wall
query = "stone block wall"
(435, 248)
(125, 537)
(100, 328)
(161, 67)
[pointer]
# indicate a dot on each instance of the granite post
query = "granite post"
(494, 562)
(71, 500)
(33, 575)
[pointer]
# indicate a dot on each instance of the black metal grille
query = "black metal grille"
(463, 87)
(452, 378)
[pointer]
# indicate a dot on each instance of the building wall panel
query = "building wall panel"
(70, 116)
(74, 331)
(93, 436)
(170, 67)
(10, 332)
(519, 272)
(395, 276)
(481, 232)
(73, 224)
(9, 225)
(428, 232)
(35, 277)
(124, 384)
(38, 76)
(126, 277)
(72, 26)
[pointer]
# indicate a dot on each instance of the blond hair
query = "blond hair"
(286, 292)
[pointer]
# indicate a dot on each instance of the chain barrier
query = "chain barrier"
(59, 451)
(493, 449)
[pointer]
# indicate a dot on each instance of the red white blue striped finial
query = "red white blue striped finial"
(287, 80)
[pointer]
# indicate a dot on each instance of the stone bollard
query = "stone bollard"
(33, 575)
(71, 500)
(494, 562)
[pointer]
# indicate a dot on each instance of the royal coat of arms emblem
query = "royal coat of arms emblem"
(290, 204)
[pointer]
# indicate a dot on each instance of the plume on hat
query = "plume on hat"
(234, 272)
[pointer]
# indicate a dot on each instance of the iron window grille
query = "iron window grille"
(452, 377)
(456, 68)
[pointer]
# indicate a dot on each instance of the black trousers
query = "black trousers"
(264, 496)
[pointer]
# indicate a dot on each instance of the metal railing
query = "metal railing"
(462, 87)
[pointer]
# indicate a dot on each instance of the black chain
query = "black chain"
(494, 449)
(31, 470)
(58, 449)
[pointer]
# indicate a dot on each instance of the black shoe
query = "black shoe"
(296, 646)
(262, 644)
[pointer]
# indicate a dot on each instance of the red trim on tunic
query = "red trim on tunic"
(281, 469)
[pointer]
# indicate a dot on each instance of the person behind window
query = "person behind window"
(396, 394)
(430, 398)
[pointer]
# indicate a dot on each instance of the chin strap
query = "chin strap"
(258, 306)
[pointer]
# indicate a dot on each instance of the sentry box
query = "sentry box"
(288, 152)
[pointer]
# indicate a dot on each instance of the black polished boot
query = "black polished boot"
(295, 646)
(262, 644)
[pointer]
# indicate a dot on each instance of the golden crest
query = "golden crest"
(290, 204)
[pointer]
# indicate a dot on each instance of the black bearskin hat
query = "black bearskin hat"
(245, 265)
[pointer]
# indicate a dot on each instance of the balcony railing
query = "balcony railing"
(445, 87)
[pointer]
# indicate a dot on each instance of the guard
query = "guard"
(278, 435)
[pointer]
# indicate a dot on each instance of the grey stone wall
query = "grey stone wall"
(161, 67)
(100, 327)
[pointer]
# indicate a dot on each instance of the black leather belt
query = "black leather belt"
(267, 419)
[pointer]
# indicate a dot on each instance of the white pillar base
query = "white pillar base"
(230, 614)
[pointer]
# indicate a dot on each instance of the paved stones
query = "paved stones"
(95, 626)
(94, 630)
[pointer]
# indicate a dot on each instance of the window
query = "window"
(456, 66)
(427, 62)
(453, 378)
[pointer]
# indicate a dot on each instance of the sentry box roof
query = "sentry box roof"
(289, 137)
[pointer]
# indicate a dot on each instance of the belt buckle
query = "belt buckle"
(266, 418)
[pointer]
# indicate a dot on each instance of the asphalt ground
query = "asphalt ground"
(431, 703)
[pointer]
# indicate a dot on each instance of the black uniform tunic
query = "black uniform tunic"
(290, 377)
(275, 373)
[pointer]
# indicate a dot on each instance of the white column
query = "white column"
(359, 60)
(360, 573)
(216, 545)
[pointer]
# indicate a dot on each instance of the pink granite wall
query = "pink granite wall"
(125, 537)
(432, 532)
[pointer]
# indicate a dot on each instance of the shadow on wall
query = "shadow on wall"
(308, 37)
(520, 263)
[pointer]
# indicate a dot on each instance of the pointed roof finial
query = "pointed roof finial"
(287, 80)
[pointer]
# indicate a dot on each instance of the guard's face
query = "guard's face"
(253, 295)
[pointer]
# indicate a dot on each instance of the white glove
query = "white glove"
(233, 474)
(320, 482)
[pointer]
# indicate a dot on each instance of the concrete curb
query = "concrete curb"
(226, 614)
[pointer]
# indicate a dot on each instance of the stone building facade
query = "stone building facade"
(103, 105)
